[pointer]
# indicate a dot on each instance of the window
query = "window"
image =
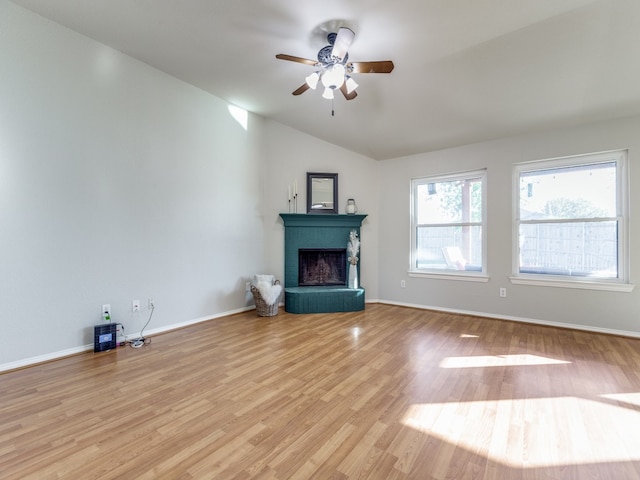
(448, 224)
(571, 220)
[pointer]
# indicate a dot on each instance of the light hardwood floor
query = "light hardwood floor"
(388, 393)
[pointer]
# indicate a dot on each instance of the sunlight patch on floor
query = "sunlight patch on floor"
(534, 432)
(498, 361)
(630, 398)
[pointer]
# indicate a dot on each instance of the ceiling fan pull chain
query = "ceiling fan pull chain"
(332, 111)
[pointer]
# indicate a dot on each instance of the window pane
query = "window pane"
(449, 202)
(583, 191)
(449, 248)
(574, 249)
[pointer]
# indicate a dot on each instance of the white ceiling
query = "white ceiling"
(465, 70)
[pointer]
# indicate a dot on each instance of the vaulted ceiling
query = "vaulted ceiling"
(465, 70)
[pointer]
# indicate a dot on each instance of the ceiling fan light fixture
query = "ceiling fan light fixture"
(312, 80)
(351, 84)
(334, 76)
(333, 67)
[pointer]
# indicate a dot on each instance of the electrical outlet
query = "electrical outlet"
(151, 304)
(403, 284)
(503, 292)
(106, 312)
(135, 306)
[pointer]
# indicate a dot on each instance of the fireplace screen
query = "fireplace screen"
(322, 267)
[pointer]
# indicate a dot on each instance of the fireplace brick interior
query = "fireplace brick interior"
(322, 267)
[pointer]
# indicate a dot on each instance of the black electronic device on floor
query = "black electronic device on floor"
(104, 337)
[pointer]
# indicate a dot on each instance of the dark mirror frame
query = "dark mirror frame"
(317, 201)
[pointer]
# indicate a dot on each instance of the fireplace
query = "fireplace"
(322, 267)
(315, 263)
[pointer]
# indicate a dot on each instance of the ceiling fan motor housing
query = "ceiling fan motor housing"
(325, 57)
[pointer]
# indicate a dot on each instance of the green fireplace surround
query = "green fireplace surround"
(318, 231)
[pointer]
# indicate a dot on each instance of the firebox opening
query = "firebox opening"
(322, 267)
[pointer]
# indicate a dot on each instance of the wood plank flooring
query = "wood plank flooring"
(387, 393)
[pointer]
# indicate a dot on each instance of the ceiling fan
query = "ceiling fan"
(332, 69)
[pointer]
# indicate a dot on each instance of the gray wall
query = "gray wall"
(596, 310)
(117, 182)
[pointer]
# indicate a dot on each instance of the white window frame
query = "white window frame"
(464, 275)
(621, 283)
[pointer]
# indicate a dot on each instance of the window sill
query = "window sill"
(582, 284)
(463, 277)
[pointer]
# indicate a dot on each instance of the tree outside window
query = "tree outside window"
(570, 218)
(448, 223)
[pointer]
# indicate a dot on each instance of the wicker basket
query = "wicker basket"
(262, 308)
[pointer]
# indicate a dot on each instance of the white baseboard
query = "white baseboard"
(85, 348)
(176, 326)
(535, 321)
(44, 358)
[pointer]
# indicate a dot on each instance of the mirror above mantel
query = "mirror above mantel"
(322, 192)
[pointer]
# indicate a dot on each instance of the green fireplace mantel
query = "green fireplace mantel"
(321, 220)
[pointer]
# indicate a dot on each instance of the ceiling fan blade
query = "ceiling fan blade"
(291, 58)
(342, 43)
(384, 66)
(347, 95)
(301, 89)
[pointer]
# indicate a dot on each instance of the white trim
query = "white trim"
(187, 323)
(76, 350)
(533, 321)
(572, 283)
(463, 277)
(44, 358)
(620, 157)
(568, 160)
(481, 174)
(85, 348)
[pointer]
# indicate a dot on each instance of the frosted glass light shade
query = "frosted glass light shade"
(334, 76)
(328, 93)
(312, 80)
(351, 85)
